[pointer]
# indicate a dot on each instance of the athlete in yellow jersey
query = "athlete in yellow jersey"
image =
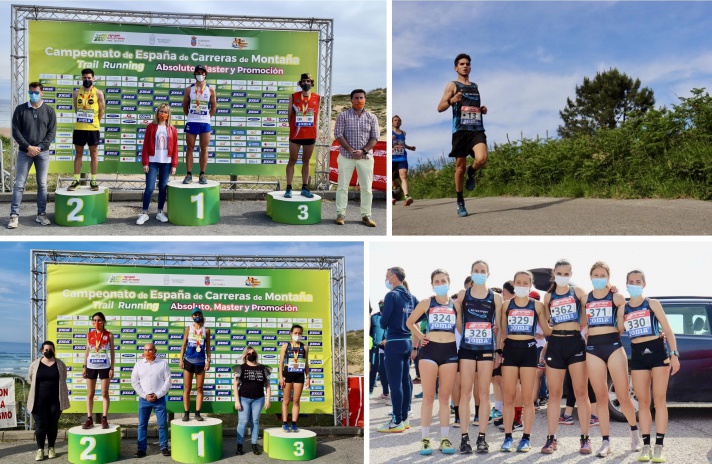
(89, 107)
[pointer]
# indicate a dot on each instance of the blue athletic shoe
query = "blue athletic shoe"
(524, 445)
(286, 428)
(470, 184)
(495, 414)
(507, 445)
(288, 193)
(295, 429)
(461, 211)
(307, 194)
(418, 395)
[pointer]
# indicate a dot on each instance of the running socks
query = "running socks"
(460, 198)
(646, 439)
(633, 428)
(481, 435)
(525, 436)
(457, 412)
(507, 435)
(202, 173)
(304, 186)
(444, 432)
(518, 414)
(498, 405)
(425, 431)
(470, 171)
(93, 177)
(606, 438)
(659, 437)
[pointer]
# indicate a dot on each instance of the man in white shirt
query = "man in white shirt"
(151, 379)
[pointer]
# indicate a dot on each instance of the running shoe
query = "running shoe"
(186, 417)
(393, 201)
(605, 449)
(295, 429)
(456, 423)
(188, 179)
(40, 455)
(543, 401)
(550, 445)
(515, 426)
(418, 395)
(392, 427)
(161, 216)
(408, 201)
(635, 442)
(482, 446)
(594, 421)
(470, 184)
(104, 423)
(202, 179)
(416, 381)
(288, 193)
(476, 420)
(51, 453)
(566, 420)
(524, 445)
(446, 446)
(495, 414)
(142, 219)
(88, 424)
(285, 428)
(507, 445)
(585, 446)
(42, 219)
(406, 424)
(425, 448)
(465, 447)
(73, 186)
(452, 408)
(198, 417)
(658, 455)
(536, 405)
(93, 185)
(646, 454)
(498, 421)
(307, 194)
(370, 396)
(461, 211)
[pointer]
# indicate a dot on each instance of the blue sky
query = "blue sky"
(15, 271)
(528, 57)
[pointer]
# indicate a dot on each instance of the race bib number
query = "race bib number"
(201, 110)
(563, 310)
(599, 313)
(398, 150)
(296, 367)
(520, 320)
(442, 318)
(478, 333)
(98, 359)
(638, 323)
(85, 116)
(304, 120)
(471, 116)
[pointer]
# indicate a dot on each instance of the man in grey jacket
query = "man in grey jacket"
(34, 125)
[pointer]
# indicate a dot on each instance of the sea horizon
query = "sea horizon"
(15, 358)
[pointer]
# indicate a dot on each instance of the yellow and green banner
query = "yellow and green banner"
(255, 307)
(139, 67)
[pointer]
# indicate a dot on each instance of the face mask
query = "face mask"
(150, 356)
(99, 325)
(87, 83)
(479, 279)
(34, 97)
(295, 338)
(358, 105)
(389, 285)
(162, 117)
(198, 319)
(49, 354)
(199, 77)
(305, 87)
(521, 292)
(561, 280)
(441, 290)
(252, 357)
(599, 283)
(635, 290)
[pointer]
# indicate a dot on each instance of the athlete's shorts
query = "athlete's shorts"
(196, 128)
(647, 355)
(397, 165)
(519, 353)
(475, 355)
(439, 353)
(603, 346)
(293, 377)
(303, 141)
(464, 141)
(497, 372)
(193, 368)
(86, 137)
(564, 351)
(94, 373)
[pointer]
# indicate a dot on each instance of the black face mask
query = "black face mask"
(252, 357)
(49, 354)
(87, 83)
(305, 87)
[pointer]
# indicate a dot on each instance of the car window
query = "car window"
(688, 318)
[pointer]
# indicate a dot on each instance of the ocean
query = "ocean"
(5, 113)
(15, 358)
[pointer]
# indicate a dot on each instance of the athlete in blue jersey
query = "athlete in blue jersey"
(399, 160)
(468, 133)
(650, 361)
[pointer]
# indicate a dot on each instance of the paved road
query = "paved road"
(688, 440)
(554, 216)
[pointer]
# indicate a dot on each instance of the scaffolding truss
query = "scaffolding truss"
(335, 264)
(21, 14)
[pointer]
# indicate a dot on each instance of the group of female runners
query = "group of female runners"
(583, 331)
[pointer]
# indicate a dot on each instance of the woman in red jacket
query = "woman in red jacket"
(159, 159)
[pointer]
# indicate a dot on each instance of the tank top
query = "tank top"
(441, 318)
(467, 113)
(295, 358)
(99, 346)
(304, 116)
(564, 308)
(195, 350)
(640, 321)
(199, 105)
(478, 322)
(399, 153)
(601, 312)
(87, 110)
(521, 320)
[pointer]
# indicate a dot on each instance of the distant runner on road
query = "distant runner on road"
(399, 160)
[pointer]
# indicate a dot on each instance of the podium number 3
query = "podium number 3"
(91, 441)
(200, 436)
(78, 205)
(300, 448)
(199, 200)
(304, 210)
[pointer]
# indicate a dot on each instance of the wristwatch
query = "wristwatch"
(674, 353)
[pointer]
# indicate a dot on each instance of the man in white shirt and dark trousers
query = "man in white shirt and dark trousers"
(151, 379)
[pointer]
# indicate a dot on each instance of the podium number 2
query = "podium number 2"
(78, 204)
(304, 210)
(200, 436)
(91, 441)
(199, 200)
(300, 448)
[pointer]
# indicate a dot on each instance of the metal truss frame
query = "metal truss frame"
(335, 264)
(325, 27)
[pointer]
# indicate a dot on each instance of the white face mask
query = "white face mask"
(561, 280)
(295, 338)
(199, 77)
(521, 292)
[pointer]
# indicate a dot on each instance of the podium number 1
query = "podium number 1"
(199, 200)
(300, 448)
(78, 205)
(85, 456)
(200, 436)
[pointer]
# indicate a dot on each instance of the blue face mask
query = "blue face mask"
(389, 285)
(441, 290)
(34, 97)
(599, 283)
(479, 279)
(635, 290)
(198, 319)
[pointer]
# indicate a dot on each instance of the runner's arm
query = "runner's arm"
(447, 95)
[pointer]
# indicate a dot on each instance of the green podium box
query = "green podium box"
(95, 445)
(81, 207)
(193, 204)
(296, 210)
(290, 446)
(196, 442)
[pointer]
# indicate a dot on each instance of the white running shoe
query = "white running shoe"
(635, 442)
(161, 217)
(141, 219)
(605, 449)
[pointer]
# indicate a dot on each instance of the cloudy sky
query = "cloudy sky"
(528, 57)
(15, 271)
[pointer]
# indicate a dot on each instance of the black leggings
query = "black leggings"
(46, 424)
(569, 391)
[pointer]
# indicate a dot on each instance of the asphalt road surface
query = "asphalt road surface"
(554, 216)
(688, 439)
